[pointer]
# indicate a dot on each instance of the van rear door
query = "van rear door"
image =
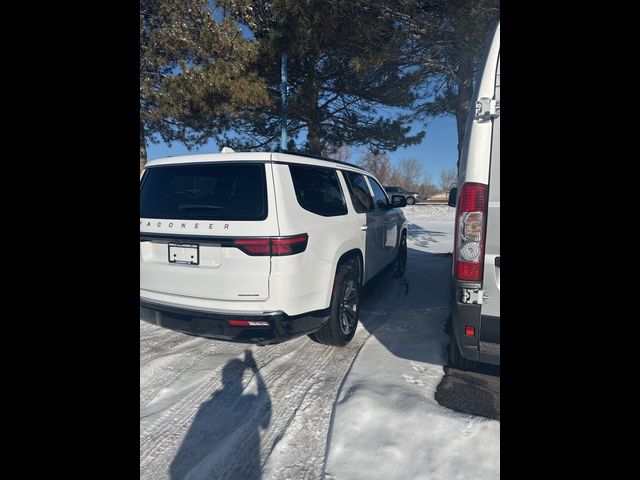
(491, 277)
(201, 225)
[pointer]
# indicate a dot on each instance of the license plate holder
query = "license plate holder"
(184, 253)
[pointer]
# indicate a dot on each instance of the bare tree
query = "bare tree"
(428, 188)
(448, 40)
(380, 165)
(448, 179)
(410, 172)
(341, 153)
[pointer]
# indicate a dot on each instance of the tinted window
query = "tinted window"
(205, 192)
(318, 190)
(359, 192)
(379, 197)
(391, 189)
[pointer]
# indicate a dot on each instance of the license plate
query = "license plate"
(184, 253)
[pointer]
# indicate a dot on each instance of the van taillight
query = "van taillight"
(273, 246)
(471, 220)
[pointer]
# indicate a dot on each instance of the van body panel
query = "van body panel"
(474, 164)
(480, 163)
(491, 276)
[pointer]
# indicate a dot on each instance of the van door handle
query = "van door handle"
(363, 227)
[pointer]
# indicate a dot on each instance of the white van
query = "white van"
(263, 247)
(475, 319)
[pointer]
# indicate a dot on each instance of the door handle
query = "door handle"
(363, 227)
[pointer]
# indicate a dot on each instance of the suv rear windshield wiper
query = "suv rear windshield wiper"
(190, 206)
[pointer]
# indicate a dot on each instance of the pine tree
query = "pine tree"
(194, 74)
(448, 39)
(345, 62)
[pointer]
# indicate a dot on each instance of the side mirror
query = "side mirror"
(453, 197)
(398, 201)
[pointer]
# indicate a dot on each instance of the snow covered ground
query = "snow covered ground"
(387, 424)
(300, 410)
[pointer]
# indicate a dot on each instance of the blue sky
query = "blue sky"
(437, 151)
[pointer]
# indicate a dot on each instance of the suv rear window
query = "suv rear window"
(318, 190)
(205, 192)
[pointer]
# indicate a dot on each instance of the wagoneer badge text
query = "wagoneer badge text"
(195, 225)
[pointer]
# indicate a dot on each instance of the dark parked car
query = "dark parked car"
(412, 197)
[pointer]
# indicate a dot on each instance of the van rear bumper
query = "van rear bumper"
(484, 347)
(280, 327)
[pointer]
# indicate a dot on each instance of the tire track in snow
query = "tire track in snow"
(167, 452)
(159, 342)
(303, 380)
(301, 397)
(295, 448)
(147, 331)
(287, 386)
(300, 383)
(162, 370)
(166, 430)
(299, 451)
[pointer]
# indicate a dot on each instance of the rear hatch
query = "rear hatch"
(195, 221)
(491, 281)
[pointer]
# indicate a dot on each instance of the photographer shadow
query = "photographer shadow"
(223, 440)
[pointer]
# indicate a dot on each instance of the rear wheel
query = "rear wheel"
(344, 309)
(411, 200)
(401, 259)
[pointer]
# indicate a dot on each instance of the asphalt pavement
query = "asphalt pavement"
(477, 393)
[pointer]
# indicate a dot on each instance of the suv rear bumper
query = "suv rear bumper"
(216, 325)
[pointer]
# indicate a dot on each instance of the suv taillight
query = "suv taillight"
(273, 246)
(471, 220)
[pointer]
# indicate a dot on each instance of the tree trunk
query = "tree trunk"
(143, 148)
(313, 137)
(313, 121)
(465, 92)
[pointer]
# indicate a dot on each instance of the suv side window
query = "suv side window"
(379, 197)
(359, 192)
(318, 190)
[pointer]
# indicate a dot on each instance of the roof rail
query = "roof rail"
(318, 157)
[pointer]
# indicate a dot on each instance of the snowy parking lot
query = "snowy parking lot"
(301, 410)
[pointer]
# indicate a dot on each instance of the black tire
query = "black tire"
(401, 259)
(411, 200)
(456, 360)
(344, 309)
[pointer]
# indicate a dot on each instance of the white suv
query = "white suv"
(263, 247)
